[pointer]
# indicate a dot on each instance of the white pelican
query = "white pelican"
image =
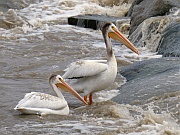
(90, 76)
(42, 104)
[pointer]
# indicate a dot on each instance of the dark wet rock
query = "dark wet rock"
(170, 43)
(149, 78)
(92, 21)
(143, 9)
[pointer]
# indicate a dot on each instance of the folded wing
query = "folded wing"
(85, 68)
(41, 100)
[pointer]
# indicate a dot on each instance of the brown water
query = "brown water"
(29, 55)
(26, 67)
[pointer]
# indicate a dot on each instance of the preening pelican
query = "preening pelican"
(42, 104)
(90, 76)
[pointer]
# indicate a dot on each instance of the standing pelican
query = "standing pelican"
(41, 103)
(90, 76)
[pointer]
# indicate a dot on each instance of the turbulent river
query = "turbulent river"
(30, 54)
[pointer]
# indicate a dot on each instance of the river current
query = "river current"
(31, 53)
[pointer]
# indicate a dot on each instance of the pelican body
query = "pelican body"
(42, 104)
(89, 76)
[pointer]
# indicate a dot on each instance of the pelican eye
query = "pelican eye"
(60, 79)
(113, 28)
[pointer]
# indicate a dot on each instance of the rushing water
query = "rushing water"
(29, 55)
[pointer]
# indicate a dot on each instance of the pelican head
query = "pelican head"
(111, 30)
(60, 83)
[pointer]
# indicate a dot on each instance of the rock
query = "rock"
(149, 78)
(150, 33)
(170, 43)
(92, 21)
(143, 9)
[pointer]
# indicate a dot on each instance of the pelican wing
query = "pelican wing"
(98, 61)
(85, 68)
(41, 100)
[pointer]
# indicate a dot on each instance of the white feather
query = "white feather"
(85, 68)
(41, 100)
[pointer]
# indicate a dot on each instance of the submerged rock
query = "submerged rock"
(170, 43)
(106, 109)
(150, 78)
(143, 9)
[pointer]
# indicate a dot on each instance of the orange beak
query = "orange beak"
(66, 87)
(118, 36)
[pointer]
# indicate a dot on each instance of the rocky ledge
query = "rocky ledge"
(155, 25)
(149, 78)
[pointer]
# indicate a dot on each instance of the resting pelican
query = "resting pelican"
(90, 76)
(42, 104)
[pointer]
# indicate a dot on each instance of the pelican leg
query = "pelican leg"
(90, 99)
(85, 98)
